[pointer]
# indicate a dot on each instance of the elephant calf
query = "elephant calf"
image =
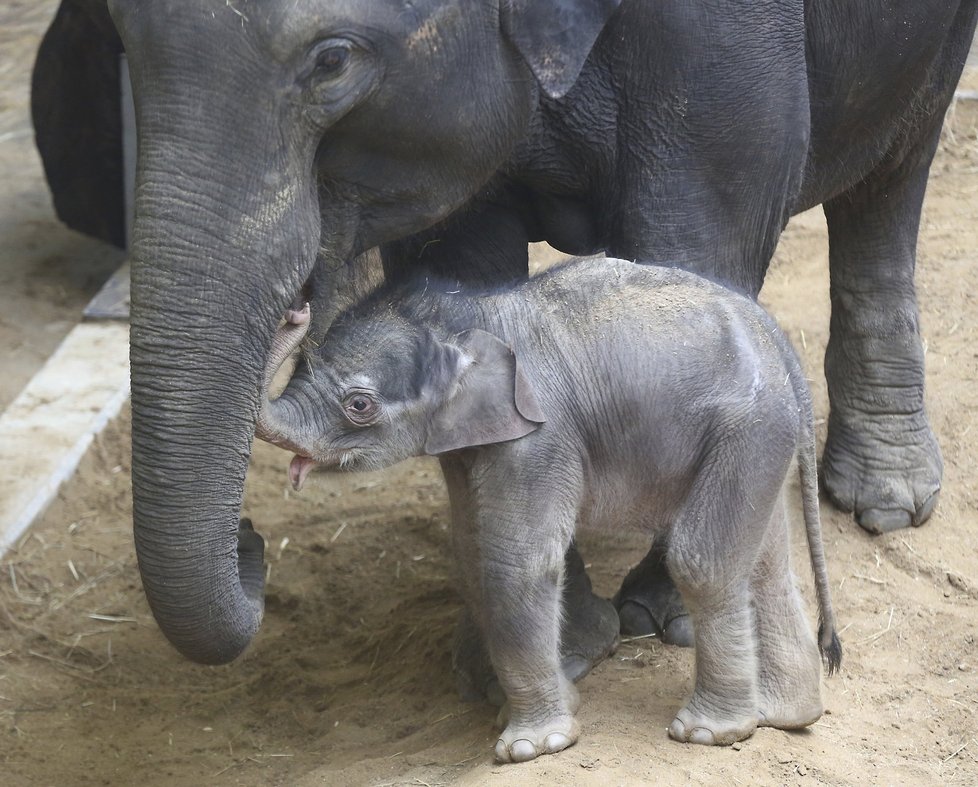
(600, 393)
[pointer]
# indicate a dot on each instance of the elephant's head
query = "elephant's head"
(382, 388)
(278, 139)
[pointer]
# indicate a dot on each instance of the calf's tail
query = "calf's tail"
(828, 639)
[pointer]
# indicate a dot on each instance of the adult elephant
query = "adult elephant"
(278, 140)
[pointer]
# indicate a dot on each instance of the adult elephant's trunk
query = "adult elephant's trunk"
(227, 231)
(209, 284)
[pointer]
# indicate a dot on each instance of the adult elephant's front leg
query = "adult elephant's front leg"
(649, 602)
(881, 460)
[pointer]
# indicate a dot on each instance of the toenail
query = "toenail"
(880, 520)
(926, 509)
(556, 741)
(636, 620)
(522, 750)
(702, 736)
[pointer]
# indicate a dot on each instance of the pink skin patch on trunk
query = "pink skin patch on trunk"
(299, 468)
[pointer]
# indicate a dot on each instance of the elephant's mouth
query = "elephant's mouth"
(301, 465)
(299, 468)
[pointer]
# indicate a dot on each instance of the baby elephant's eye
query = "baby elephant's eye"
(361, 408)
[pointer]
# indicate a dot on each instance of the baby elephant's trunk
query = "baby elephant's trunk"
(287, 339)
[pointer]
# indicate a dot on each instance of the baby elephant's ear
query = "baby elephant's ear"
(493, 401)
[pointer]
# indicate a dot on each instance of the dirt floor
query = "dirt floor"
(349, 681)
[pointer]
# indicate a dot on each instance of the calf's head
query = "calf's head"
(381, 390)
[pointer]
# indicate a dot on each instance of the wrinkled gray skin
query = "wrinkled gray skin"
(279, 140)
(601, 394)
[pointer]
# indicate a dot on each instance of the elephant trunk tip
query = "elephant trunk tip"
(286, 340)
(216, 632)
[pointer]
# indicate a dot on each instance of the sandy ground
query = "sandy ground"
(349, 681)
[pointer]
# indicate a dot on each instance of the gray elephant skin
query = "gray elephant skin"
(278, 140)
(602, 394)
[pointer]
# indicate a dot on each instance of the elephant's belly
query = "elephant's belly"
(621, 501)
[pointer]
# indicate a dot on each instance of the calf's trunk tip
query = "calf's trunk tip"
(287, 339)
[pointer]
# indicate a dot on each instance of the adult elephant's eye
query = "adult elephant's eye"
(331, 62)
(336, 74)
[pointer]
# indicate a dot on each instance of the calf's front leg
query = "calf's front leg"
(520, 615)
(510, 546)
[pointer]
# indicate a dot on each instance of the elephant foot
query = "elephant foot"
(524, 740)
(693, 726)
(887, 472)
(571, 701)
(791, 716)
(522, 744)
(648, 603)
(789, 690)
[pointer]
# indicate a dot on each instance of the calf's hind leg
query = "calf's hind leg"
(788, 664)
(714, 546)
(723, 707)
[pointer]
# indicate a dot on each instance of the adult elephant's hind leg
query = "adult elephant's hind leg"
(649, 603)
(881, 461)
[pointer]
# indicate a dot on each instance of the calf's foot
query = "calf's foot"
(789, 716)
(694, 724)
(527, 741)
(522, 744)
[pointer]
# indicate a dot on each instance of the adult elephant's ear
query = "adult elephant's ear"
(555, 36)
(492, 400)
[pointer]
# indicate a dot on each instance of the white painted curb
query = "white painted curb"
(45, 431)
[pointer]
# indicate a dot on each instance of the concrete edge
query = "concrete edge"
(46, 430)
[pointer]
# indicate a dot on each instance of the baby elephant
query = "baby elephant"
(601, 393)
